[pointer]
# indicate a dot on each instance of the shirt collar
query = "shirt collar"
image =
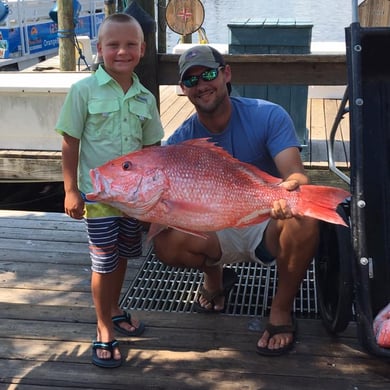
(103, 77)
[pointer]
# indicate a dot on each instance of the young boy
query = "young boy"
(106, 115)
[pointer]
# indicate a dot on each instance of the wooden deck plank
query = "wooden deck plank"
(174, 110)
(45, 235)
(317, 126)
(343, 131)
(184, 113)
(47, 322)
(44, 246)
(18, 276)
(332, 106)
(344, 124)
(165, 91)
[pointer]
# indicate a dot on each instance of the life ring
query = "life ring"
(184, 17)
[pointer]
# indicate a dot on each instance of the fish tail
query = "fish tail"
(321, 202)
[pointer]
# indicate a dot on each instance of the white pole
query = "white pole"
(355, 14)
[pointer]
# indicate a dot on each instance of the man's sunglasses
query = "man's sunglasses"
(207, 75)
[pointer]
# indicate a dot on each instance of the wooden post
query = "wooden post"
(66, 35)
(161, 27)
(186, 38)
(374, 13)
(147, 68)
(120, 6)
(109, 7)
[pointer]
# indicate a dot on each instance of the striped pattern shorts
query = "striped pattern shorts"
(111, 239)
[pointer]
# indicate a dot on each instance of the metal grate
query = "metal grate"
(158, 287)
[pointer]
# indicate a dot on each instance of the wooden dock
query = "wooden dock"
(47, 324)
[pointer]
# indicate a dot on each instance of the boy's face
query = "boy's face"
(121, 46)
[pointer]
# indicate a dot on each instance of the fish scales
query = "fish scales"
(203, 177)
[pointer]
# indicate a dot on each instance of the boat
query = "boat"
(29, 30)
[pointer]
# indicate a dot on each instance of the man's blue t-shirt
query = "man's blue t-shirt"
(257, 131)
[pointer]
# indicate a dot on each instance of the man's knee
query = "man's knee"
(306, 226)
(305, 233)
(162, 248)
(170, 247)
(311, 227)
(292, 233)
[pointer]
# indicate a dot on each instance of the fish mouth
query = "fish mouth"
(96, 180)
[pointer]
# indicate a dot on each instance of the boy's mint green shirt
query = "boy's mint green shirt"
(108, 122)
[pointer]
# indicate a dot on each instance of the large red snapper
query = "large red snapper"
(196, 186)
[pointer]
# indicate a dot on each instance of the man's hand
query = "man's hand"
(280, 208)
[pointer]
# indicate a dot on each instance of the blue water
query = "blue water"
(329, 17)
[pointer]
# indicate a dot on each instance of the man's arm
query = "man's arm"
(290, 166)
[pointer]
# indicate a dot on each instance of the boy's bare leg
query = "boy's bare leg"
(116, 292)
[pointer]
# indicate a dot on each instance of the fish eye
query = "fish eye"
(126, 165)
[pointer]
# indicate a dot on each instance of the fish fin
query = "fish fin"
(247, 168)
(256, 172)
(156, 229)
(321, 202)
(254, 218)
(210, 145)
(193, 233)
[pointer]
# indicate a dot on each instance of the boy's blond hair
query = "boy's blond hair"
(119, 18)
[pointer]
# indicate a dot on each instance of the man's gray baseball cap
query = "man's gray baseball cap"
(201, 55)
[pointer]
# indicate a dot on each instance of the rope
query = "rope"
(80, 53)
(65, 33)
(202, 36)
(72, 35)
